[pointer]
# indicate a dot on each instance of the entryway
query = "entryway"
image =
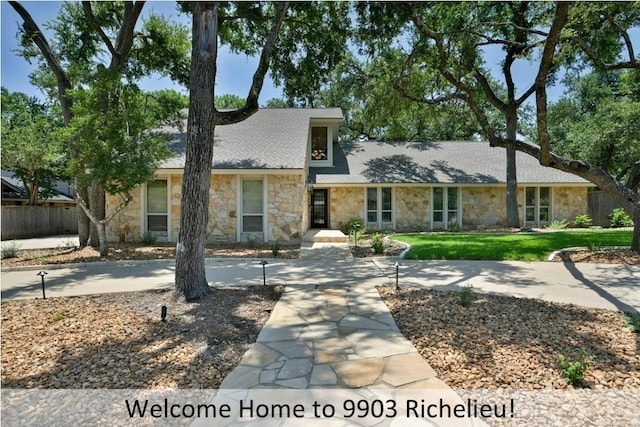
(319, 208)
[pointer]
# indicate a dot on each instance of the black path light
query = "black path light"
(397, 265)
(42, 274)
(163, 313)
(263, 263)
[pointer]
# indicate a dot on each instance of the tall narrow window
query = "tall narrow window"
(446, 206)
(537, 205)
(380, 206)
(319, 143)
(252, 205)
(157, 212)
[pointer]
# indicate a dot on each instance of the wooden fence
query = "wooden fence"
(21, 222)
(599, 206)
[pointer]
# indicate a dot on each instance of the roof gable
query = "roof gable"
(269, 139)
(450, 162)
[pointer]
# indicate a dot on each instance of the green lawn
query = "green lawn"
(515, 246)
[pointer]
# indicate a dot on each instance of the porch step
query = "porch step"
(316, 235)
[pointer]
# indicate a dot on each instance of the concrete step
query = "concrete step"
(326, 236)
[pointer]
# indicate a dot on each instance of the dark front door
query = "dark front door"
(319, 209)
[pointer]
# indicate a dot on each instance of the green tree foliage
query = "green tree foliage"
(228, 100)
(598, 120)
(31, 147)
(99, 46)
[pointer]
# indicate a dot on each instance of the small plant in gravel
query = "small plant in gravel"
(148, 238)
(275, 248)
(592, 246)
(60, 315)
(619, 218)
(558, 224)
(526, 230)
(467, 296)
(252, 242)
(454, 227)
(355, 227)
(633, 321)
(10, 251)
(582, 221)
(378, 244)
(573, 370)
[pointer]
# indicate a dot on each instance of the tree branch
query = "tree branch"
(63, 82)
(251, 103)
(88, 13)
(546, 64)
(126, 34)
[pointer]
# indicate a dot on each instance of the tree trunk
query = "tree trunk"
(102, 237)
(97, 208)
(191, 280)
(513, 219)
(84, 222)
(635, 242)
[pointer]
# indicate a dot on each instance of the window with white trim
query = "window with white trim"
(157, 206)
(446, 206)
(537, 205)
(321, 146)
(252, 205)
(379, 206)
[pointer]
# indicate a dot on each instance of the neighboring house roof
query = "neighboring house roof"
(13, 188)
(465, 162)
(270, 139)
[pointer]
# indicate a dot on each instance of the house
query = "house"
(283, 171)
(14, 193)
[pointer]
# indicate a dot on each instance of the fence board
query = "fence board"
(21, 222)
(599, 206)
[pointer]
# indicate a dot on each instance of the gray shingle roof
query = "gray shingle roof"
(430, 162)
(270, 139)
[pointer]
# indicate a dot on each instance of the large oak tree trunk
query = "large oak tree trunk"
(98, 209)
(513, 219)
(191, 280)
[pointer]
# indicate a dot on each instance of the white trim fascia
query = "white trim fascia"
(297, 171)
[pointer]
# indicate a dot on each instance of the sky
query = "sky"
(234, 75)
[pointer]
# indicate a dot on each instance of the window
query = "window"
(379, 206)
(252, 205)
(537, 205)
(446, 206)
(157, 212)
(319, 143)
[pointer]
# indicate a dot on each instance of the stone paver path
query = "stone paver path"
(331, 336)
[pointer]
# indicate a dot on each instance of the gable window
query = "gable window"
(157, 206)
(537, 205)
(380, 207)
(446, 206)
(252, 206)
(319, 143)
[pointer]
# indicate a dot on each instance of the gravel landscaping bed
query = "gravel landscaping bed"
(505, 342)
(118, 341)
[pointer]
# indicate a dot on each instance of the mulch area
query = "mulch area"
(513, 343)
(118, 341)
(137, 251)
(600, 256)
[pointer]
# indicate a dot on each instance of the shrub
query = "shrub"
(573, 370)
(11, 250)
(582, 221)
(377, 243)
(526, 229)
(619, 218)
(275, 248)
(558, 224)
(454, 227)
(633, 321)
(466, 296)
(148, 238)
(252, 242)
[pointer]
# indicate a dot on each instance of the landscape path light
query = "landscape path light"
(42, 274)
(263, 263)
(397, 265)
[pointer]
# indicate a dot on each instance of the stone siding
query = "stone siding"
(569, 202)
(412, 208)
(345, 203)
(223, 209)
(126, 225)
(286, 207)
(485, 207)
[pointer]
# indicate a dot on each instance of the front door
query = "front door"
(319, 208)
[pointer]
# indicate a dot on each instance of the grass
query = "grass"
(508, 246)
